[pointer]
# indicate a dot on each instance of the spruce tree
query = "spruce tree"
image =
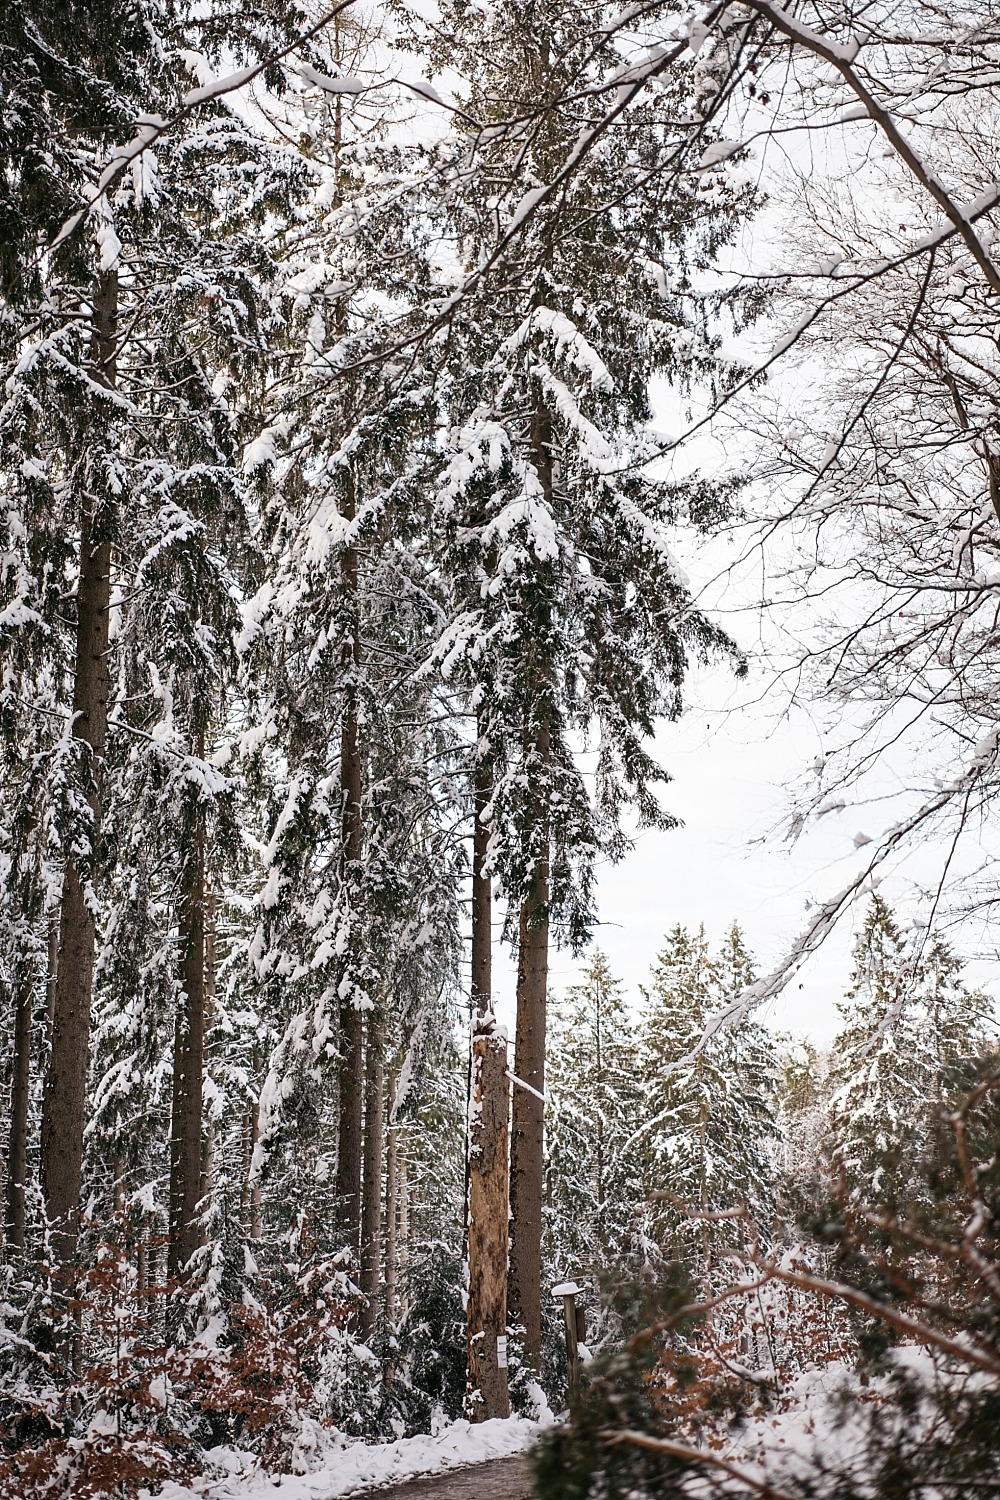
(911, 1030)
(711, 1133)
(568, 615)
(594, 1185)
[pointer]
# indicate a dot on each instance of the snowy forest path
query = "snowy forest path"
(499, 1479)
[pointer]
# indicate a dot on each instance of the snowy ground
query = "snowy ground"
(353, 1467)
(807, 1421)
(774, 1445)
(821, 1416)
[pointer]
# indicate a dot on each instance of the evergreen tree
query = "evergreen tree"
(359, 885)
(594, 1183)
(711, 1134)
(567, 613)
(911, 1031)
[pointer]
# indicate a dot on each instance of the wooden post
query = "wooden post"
(486, 1387)
(567, 1291)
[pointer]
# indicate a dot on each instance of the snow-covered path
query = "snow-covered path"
(455, 1463)
(500, 1479)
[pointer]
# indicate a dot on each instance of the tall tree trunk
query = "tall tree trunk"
(482, 898)
(64, 1105)
(481, 989)
(403, 1238)
(53, 969)
(528, 1116)
(487, 1156)
(349, 1151)
(528, 1108)
(208, 1132)
(20, 1089)
(391, 1204)
(371, 1208)
(189, 1063)
(251, 1194)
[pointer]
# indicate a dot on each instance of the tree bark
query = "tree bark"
(349, 1151)
(482, 898)
(20, 1089)
(403, 1238)
(371, 1208)
(528, 1110)
(189, 1063)
(528, 1115)
(208, 1133)
(486, 1389)
(53, 969)
(64, 1104)
(391, 1205)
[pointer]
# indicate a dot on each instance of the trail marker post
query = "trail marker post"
(567, 1292)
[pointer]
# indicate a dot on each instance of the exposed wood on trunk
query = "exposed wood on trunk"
(349, 1151)
(391, 1204)
(189, 1063)
(371, 1208)
(486, 1391)
(63, 1110)
(20, 1090)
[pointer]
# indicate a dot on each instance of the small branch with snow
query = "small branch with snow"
(842, 57)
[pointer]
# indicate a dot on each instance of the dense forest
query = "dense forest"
(340, 603)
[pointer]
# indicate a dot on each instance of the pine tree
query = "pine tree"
(594, 1186)
(711, 1130)
(910, 1024)
(568, 615)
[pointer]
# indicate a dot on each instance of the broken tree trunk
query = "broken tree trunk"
(486, 1389)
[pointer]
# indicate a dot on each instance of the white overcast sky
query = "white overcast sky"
(730, 770)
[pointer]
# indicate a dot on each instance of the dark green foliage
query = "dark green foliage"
(429, 1380)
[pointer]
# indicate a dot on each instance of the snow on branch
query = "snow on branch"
(151, 127)
(842, 57)
(829, 913)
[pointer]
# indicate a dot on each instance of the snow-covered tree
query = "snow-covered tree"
(594, 1108)
(711, 1132)
(912, 1031)
(569, 617)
